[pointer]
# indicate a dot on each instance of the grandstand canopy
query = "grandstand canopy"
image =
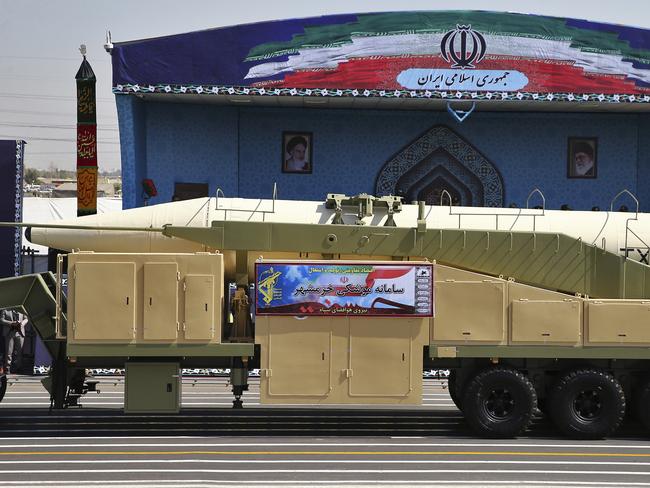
(418, 60)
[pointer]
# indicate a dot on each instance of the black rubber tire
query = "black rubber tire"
(499, 402)
(642, 401)
(3, 386)
(542, 406)
(452, 386)
(587, 404)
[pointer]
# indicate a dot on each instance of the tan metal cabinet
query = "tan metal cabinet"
(380, 355)
(160, 321)
(470, 311)
(104, 294)
(199, 307)
(546, 321)
(617, 322)
(132, 300)
(299, 357)
(341, 360)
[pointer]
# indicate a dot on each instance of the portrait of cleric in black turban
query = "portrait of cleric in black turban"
(582, 157)
(297, 152)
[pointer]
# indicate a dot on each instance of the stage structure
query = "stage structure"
(554, 103)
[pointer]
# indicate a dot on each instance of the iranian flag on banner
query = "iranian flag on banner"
(497, 52)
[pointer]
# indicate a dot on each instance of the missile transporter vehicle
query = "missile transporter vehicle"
(347, 301)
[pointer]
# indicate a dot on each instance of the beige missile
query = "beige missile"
(618, 232)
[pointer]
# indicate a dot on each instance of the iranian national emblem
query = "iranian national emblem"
(463, 46)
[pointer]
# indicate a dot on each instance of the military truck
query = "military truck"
(346, 302)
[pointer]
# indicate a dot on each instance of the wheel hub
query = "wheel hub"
(588, 404)
(499, 403)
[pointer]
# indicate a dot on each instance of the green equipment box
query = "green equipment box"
(152, 388)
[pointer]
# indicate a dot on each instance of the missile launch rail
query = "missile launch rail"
(524, 319)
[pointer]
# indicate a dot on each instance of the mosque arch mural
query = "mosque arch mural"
(441, 160)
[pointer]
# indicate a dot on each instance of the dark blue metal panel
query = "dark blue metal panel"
(11, 205)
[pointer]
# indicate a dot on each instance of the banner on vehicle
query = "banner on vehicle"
(358, 289)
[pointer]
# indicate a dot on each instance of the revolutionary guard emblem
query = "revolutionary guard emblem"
(266, 285)
(463, 46)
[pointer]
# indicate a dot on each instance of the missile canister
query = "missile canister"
(618, 232)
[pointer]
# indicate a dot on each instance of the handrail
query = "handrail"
(539, 192)
(640, 238)
(627, 221)
(628, 192)
(216, 197)
(627, 228)
(497, 214)
(274, 197)
(442, 194)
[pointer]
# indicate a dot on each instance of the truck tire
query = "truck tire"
(499, 402)
(452, 386)
(587, 404)
(642, 400)
(3, 386)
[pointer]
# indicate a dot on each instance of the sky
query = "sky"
(39, 52)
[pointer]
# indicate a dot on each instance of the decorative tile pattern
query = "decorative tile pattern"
(18, 210)
(442, 167)
(436, 139)
(128, 120)
(421, 94)
(643, 170)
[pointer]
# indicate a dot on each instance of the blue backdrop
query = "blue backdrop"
(238, 149)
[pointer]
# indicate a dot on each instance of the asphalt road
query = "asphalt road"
(430, 445)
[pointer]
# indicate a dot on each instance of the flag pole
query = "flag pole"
(86, 138)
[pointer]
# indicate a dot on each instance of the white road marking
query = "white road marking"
(323, 461)
(339, 445)
(189, 483)
(329, 471)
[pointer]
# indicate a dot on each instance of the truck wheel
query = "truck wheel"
(452, 386)
(499, 402)
(3, 386)
(587, 404)
(643, 403)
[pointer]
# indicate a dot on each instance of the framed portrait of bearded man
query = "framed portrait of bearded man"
(582, 161)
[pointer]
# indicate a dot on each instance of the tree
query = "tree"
(31, 176)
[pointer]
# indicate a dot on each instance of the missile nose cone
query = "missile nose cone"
(28, 234)
(109, 232)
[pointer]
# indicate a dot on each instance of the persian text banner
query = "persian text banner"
(357, 289)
